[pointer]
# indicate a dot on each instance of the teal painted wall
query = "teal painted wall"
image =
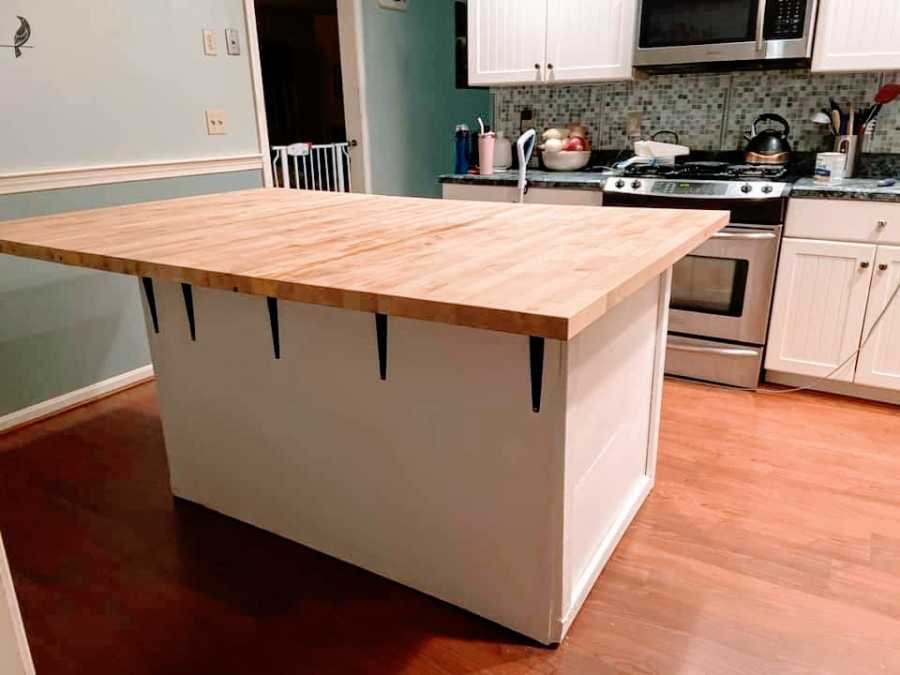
(412, 101)
(64, 328)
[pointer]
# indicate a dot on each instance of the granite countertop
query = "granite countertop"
(572, 180)
(859, 189)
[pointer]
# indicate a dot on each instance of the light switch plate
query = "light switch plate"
(209, 43)
(215, 122)
(399, 5)
(633, 125)
(233, 41)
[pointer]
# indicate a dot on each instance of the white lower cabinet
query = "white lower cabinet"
(879, 361)
(819, 307)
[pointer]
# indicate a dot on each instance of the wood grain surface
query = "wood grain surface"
(538, 270)
(771, 545)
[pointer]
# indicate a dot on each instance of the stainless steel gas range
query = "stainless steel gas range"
(722, 292)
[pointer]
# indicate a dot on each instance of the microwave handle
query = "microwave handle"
(761, 26)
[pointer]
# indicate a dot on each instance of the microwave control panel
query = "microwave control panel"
(785, 19)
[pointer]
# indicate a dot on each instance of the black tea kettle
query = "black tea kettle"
(769, 146)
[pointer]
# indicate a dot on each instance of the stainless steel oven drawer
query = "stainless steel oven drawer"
(735, 365)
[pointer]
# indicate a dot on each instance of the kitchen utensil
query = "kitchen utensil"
(502, 152)
(486, 142)
(463, 138)
(823, 118)
(769, 146)
(887, 93)
(524, 148)
(566, 161)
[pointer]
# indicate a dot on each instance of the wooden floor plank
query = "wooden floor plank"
(771, 544)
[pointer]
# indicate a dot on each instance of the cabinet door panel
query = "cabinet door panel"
(819, 308)
(507, 39)
(590, 39)
(879, 361)
(857, 36)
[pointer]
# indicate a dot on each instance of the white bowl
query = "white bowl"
(571, 160)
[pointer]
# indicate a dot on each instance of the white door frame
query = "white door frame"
(13, 643)
(350, 33)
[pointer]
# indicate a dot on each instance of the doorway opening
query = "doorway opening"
(301, 68)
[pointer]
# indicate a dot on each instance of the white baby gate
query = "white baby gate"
(308, 166)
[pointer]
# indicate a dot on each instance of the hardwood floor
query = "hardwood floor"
(771, 544)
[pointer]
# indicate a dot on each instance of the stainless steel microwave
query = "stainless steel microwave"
(694, 32)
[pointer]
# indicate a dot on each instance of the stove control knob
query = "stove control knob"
(636, 185)
(620, 183)
(767, 189)
(746, 188)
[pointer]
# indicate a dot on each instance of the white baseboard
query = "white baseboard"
(92, 392)
(829, 387)
(80, 176)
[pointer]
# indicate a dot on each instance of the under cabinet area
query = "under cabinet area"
(545, 41)
(834, 283)
(857, 36)
(510, 193)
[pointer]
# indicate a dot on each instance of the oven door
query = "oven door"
(723, 289)
(675, 32)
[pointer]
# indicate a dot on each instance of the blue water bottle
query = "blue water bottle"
(462, 148)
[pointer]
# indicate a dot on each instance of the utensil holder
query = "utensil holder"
(849, 146)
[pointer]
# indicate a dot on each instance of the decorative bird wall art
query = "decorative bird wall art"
(22, 36)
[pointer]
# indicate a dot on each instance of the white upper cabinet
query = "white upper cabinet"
(879, 361)
(819, 307)
(507, 41)
(533, 41)
(589, 40)
(857, 35)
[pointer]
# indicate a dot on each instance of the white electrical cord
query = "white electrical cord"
(818, 380)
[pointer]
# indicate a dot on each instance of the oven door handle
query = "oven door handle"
(744, 235)
(720, 351)
(761, 26)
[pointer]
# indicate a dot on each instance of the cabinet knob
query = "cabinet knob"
(883, 267)
(882, 224)
(549, 66)
(537, 66)
(864, 265)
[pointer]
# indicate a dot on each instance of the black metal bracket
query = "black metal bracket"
(151, 302)
(536, 357)
(189, 306)
(381, 327)
(273, 322)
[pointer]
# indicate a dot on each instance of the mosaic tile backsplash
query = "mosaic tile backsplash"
(709, 111)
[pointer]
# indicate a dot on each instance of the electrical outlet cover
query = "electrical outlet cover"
(209, 43)
(233, 41)
(399, 5)
(215, 122)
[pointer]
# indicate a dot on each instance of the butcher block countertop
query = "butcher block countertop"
(538, 270)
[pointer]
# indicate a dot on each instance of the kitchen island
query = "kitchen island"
(460, 396)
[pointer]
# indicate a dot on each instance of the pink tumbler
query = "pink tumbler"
(486, 153)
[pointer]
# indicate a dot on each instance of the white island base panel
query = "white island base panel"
(441, 476)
